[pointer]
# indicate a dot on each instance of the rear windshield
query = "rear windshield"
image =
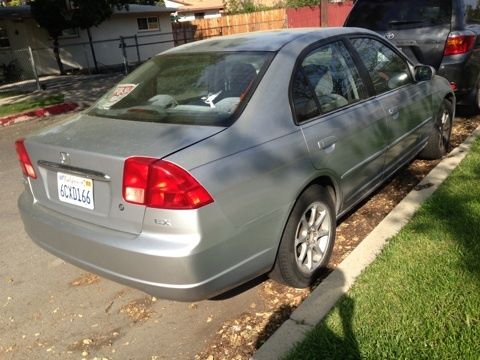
(472, 9)
(200, 89)
(384, 15)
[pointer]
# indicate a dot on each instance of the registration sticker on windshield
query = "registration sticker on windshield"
(121, 91)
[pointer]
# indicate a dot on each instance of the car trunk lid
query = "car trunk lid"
(88, 154)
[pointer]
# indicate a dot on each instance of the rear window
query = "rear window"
(472, 10)
(384, 15)
(200, 89)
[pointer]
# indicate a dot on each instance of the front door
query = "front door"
(407, 104)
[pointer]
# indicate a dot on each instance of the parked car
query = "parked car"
(223, 159)
(440, 33)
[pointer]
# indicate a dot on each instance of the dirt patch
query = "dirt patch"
(85, 279)
(96, 341)
(239, 338)
(138, 310)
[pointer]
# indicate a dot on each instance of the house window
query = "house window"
(148, 23)
(4, 42)
(199, 15)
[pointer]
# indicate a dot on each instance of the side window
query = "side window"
(472, 10)
(326, 80)
(387, 70)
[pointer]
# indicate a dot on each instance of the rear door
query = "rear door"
(344, 130)
(408, 105)
(418, 27)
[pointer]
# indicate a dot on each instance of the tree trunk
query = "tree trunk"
(93, 50)
(56, 51)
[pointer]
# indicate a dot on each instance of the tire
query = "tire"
(439, 140)
(473, 106)
(308, 238)
(476, 100)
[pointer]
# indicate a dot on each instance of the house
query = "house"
(132, 35)
(188, 10)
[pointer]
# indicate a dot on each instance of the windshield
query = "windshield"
(201, 89)
(384, 15)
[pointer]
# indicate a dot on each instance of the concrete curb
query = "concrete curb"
(326, 295)
(38, 113)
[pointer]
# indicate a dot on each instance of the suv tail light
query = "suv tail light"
(459, 43)
(25, 163)
(161, 184)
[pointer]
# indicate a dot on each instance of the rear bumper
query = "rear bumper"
(184, 270)
(456, 70)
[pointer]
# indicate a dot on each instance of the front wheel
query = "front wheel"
(439, 140)
(308, 238)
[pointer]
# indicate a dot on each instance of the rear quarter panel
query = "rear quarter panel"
(255, 169)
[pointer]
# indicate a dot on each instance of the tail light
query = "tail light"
(161, 184)
(25, 163)
(459, 43)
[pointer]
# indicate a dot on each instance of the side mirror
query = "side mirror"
(424, 72)
(398, 80)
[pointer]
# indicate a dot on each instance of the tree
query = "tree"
(88, 13)
(58, 15)
(301, 3)
(52, 15)
(13, 2)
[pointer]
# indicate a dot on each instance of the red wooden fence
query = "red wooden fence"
(184, 32)
(312, 16)
(304, 17)
(337, 13)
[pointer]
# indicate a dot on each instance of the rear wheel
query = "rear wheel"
(476, 103)
(439, 140)
(308, 239)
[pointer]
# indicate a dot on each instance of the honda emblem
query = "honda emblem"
(65, 158)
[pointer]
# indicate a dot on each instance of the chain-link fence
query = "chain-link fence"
(18, 66)
(103, 56)
(23, 67)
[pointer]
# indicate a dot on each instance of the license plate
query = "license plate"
(75, 190)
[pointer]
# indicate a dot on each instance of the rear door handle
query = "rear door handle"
(327, 144)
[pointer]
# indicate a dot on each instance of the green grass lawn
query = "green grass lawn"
(4, 95)
(421, 298)
(30, 104)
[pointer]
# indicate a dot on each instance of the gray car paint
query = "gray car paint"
(255, 170)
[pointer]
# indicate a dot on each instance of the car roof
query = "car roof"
(272, 40)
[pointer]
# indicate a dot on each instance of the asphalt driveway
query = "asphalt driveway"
(49, 308)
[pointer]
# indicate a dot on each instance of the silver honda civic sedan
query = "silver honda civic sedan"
(220, 160)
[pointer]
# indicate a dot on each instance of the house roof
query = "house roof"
(199, 5)
(180, 2)
(142, 9)
(9, 12)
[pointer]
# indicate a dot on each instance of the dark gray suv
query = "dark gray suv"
(440, 33)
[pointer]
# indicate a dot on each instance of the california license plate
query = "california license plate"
(75, 190)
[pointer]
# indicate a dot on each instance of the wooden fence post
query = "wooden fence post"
(324, 13)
